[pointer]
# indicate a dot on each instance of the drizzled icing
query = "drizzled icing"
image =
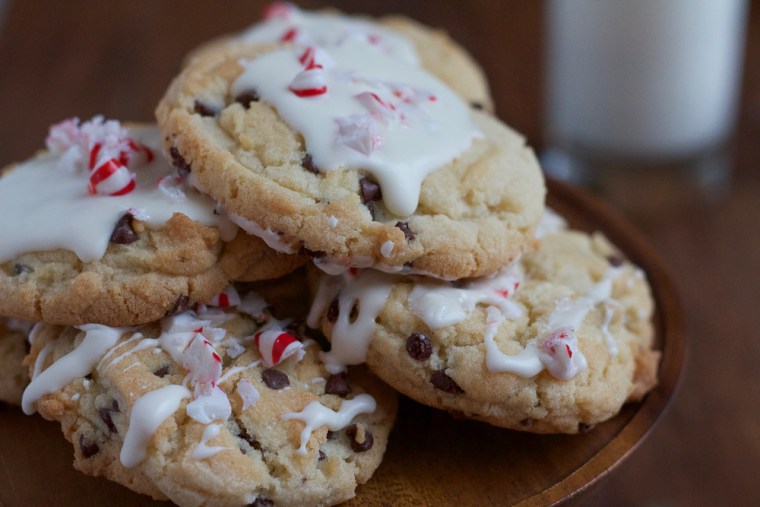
(315, 415)
(204, 451)
(64, 215)
(77, 363)
(327, 29)
(439, 304)
(148, 413)
(376, 112)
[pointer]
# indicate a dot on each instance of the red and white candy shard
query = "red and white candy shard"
(229, 297)
(313, 56)
(560, 354)
(202, 363)
(359, 133)
(311, 82)
(377, 107)
(213, 405)
(111, 177)
(254, 305)
(279, 10)
(171, 187)
(248, 393)
(275, 346)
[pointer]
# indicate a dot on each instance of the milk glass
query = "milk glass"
(641, 95)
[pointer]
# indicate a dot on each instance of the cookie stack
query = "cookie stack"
(158, 294)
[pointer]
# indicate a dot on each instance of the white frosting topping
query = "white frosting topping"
(63, 214)
(148, 413)
(202, 450)
(328, 29)
(550, 223)
(77, 363)
(440, 305)
(369, 111)
(270, 237)
(315, 415)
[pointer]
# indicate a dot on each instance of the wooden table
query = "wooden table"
(115, 58)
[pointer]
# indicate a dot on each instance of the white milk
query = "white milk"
(643, 78)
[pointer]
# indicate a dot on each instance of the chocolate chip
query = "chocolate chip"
(178, 161)
(123, 233)
(105, 415)
(262, 501)
(419, 346)
(19, 269)
(370, 190)
(615, 260)
(89, 449)
(203, 109)
(308, 164)
(527, 422)
(162, 372)
(246, 98)
(248, 438)
(367, 439)
(371, 207)
(180, 305)
(476, 105)
(275, 379)
(584, 428)
(322, 456)
(441, 381)
(333, 311)
(330, 435)
(408, 234)
(337, 384)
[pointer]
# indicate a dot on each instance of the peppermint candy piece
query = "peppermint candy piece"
(377, 107)
(560, 354)
(248, 393)
(203, 363)
(313, 56)
(227, 298)
(111, 177)
(359, 133)
(275, 346)
(311, 82)
(279, 10)
(210, 407)
(170, 186)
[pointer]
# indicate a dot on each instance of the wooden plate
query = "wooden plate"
(432, 458)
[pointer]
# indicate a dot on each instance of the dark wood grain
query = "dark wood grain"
(81, 58)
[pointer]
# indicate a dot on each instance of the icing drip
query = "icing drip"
(440, 305)
(315, 415)
(64, 215)
(41, 358)
(525, 364)
(609, 312)
(427, 127)
(235, 370)
(148, 413)
(77, 363)
(202, 450)
(368, 290)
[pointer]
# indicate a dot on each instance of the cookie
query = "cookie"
(405, 38)
(219, 407)
(99, 228)
(357, 161)
(13, 349)
(554, 344)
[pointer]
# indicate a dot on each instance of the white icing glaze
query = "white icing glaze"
(148, 413)
(350, 339)
(330, 29)
(41, 358)
(570, 312)
(202, 450)
(440, 305)
(427, 125)
(207, 408)
(235, 370)
(609, 312)
(77, 363)
(525, 364)
(550, 223)
(332, 221)
(63, 215)
(315, 415)
(270, 237)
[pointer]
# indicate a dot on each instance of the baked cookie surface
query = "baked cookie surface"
(13, 349)
(113, 235)
(430, 48)
(215, 408)
(342, 199)
(554, 344)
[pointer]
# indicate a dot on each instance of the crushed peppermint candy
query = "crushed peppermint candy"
(310, 82)
(248, 393)
(170, 186)
(203, 363)
(359, 133)
(229, 297)
(275, 346)
(559, 352)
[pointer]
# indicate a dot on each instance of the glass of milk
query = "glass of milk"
(642, 95)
